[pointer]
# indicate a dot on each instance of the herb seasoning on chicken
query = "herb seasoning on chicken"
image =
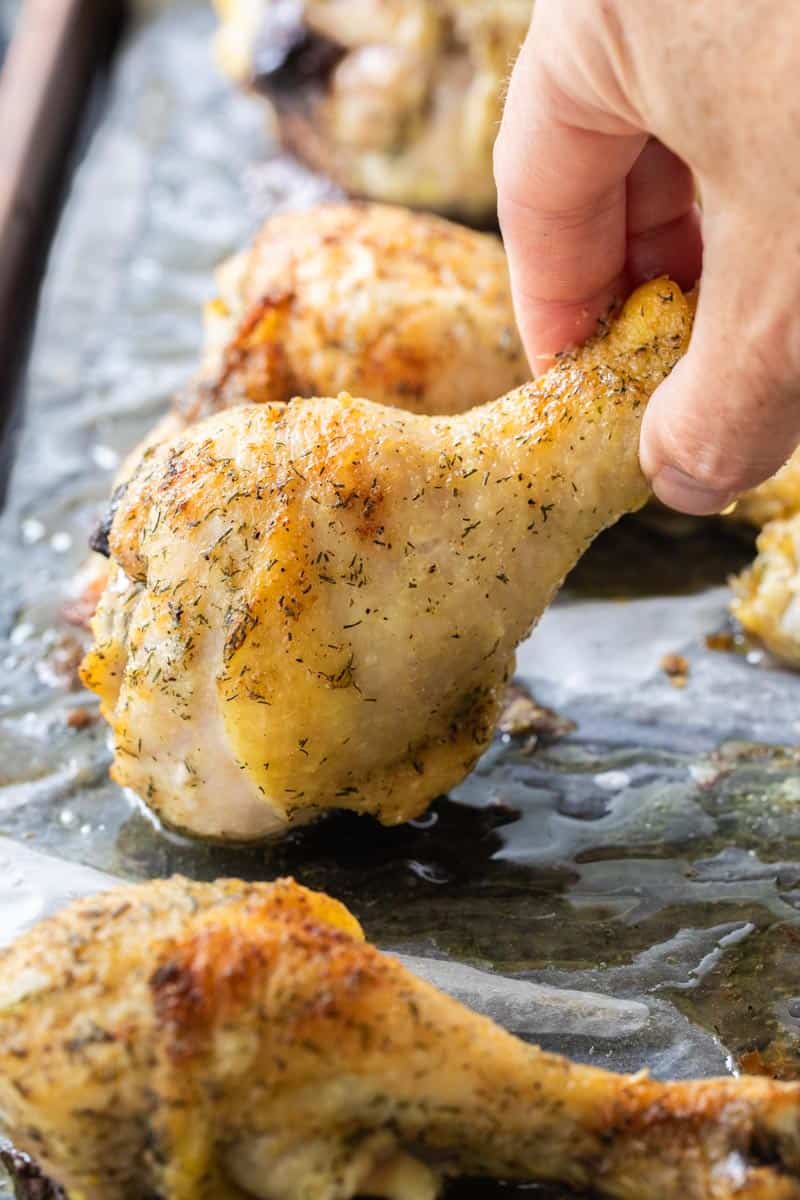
(217, 1041)
(317, 605)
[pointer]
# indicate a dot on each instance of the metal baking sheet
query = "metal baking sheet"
(651, 857)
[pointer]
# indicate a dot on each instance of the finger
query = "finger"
(663, 219)
(588, 206)
(729, 415)
(561, 175)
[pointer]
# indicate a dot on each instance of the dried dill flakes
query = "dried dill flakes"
(240, 624)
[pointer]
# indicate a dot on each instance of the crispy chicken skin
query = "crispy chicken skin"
(408, 309)
(397, 100)
(217, 1041)
(317, 604)
(775, 499)
(766, 597)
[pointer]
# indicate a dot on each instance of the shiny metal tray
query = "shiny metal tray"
(651, 856)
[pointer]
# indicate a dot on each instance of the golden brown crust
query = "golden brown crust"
(206, 1041)
(410, 310)
(766, 596)
(773, 500)
(322, 600)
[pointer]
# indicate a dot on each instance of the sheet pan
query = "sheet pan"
(651, 857)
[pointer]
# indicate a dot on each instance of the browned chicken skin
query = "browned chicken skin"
(412, 311)
(406, 308)
(317, 604)
(398, 100)
(766, 596)
(217, 1041)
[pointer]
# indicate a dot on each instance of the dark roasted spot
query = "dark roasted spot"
(99, 538)
(28, 1180)
(164, 976)
(287, 55)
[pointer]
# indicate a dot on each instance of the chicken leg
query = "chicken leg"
(398, 100)
(406, 308)
(218, 1041)
(317, 604)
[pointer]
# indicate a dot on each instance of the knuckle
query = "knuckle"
(702, 456)
(713, 467)
(731, 416)
(728, 451)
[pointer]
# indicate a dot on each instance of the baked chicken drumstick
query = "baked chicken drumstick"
(394, 99)
(229, 1040)
(317, 604)
(406, 308)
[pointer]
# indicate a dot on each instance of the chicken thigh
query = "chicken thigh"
(219, 1041)
(317, 604)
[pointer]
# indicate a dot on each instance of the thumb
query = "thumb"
(728, 416)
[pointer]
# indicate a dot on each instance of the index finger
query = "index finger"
(562, 206)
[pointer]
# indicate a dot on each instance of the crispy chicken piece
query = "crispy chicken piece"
(217, 1041)
(406, 308)
(317, 604)
(766, 596)
(397, 100)
(775, 499)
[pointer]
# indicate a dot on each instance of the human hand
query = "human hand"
(613, 107)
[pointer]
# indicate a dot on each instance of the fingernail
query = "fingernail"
(678, 490)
